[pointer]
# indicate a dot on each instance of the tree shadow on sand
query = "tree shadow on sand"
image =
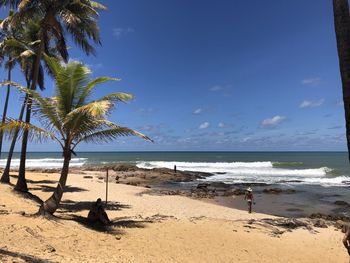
(26, 258)
(67, 189)
(72, 206)
(115, 227)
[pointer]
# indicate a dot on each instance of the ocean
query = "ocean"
(319, 179)
(310, 168)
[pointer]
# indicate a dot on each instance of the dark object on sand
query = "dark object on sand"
(98, 214)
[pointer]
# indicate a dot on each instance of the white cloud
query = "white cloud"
(197, 111)
(311, 81)
(216, 88)
(204, 125)
(118, 32)
(311, 104)
(221, 125)
(273, 121)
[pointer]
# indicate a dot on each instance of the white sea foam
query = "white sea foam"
(249, 172)
(45, 162)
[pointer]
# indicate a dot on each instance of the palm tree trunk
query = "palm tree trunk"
(51, 204)
(5, 107)
(5, 178)
(21, 182)
(342, 30)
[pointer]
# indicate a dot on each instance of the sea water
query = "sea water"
(318, 178)
(312, 168)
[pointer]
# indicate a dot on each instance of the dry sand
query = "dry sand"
(148, 228)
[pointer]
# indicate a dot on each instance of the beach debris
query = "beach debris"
(320, 223)
(50, 249)
(87, 177)
(287, 223)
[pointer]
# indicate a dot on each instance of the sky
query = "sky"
(223, 75)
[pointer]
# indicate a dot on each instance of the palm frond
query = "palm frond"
(11, 126)
(111, 134)
(98, 5)
(90, 86)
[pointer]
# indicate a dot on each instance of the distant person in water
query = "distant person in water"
(250, 198)
(346, 239)
(98, 214)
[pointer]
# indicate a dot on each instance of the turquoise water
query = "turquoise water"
(317, 168)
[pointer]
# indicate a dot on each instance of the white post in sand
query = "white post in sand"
(106, 187)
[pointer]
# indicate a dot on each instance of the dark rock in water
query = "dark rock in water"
(342, 203)
(346, 182)
(329, 217)
(124, 167)
(278, 191)
(220, 173)
(250, 184)
(203, 186)
(290, 181)
(200, 175)
(220, 185)
(232, 192)
(238, 191)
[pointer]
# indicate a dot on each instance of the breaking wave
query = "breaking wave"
(256, 172)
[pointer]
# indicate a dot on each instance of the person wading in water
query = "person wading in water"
(250, 198)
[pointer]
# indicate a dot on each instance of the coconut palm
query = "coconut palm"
(9, 66)
(342, 30)
(4, 52)
(20, 45)
(77, 17)
(70, 117)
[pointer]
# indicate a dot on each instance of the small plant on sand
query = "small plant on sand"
(70, 117)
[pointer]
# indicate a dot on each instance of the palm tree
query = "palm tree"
(20, 45)
(342, 30)
(5, 35)
(70, 117)
(77, 17)
(9, 66)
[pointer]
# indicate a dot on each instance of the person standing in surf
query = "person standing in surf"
(250, 199)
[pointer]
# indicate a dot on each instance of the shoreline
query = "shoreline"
(275, 199)
(156, 228)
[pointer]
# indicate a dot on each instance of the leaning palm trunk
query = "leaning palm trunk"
(71, 117)
(21, 182)
(50, 205)
(5, 106)
(5, 178)
(342, 30)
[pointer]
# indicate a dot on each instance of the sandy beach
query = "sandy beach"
(149, 228)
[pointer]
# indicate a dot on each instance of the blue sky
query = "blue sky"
(219, 75)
